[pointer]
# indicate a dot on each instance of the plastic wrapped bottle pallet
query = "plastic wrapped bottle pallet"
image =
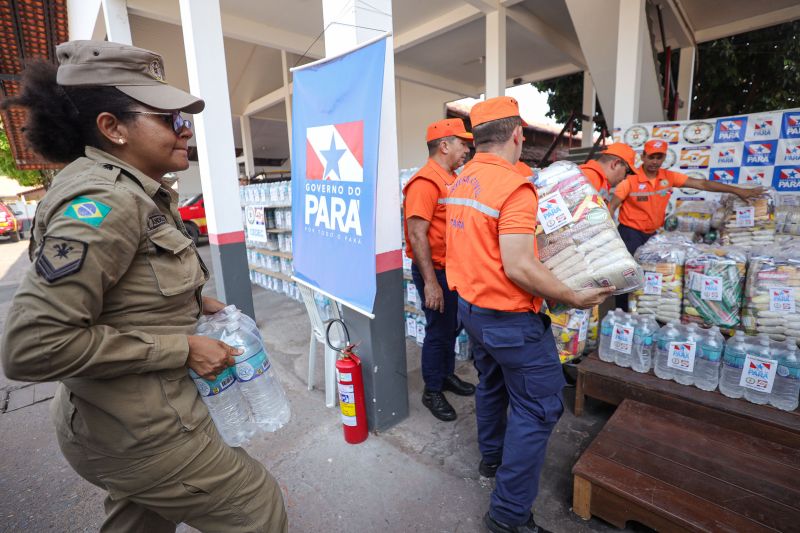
(714, 285)
(577, 238)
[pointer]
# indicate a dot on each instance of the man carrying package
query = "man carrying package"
(424, 226)
(642, 199)
(492, 264)
(609, 167)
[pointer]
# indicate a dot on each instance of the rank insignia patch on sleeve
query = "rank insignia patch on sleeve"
(60, 257)
(87, 210)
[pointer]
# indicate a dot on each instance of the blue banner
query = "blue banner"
(755, 149)
(336, 113)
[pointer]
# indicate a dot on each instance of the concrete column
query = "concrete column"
(589, 99)
(208, 78)
(247, 146)
(496, 53)
(118, 28)
(630, 47)
(686, 81)
(85, 20)
(383, 345)
(287, 96)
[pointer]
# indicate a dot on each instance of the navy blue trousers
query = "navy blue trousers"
(633, 239)
(441, 330)
(517, 403)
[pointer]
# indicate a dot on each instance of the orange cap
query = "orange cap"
(452, 127)
(494, 109)
(655, 146)
(624, 152)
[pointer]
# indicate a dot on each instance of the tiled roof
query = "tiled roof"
(29, 29)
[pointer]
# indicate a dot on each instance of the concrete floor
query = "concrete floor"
(419, 476)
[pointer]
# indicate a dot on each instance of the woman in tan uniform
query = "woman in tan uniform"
(114, 293)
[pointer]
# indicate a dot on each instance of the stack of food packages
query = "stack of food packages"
(572, 329)
(749, 224)
(576, 237)
(662, 259)
(693, 217)
(787, 214)
(713, 286)
(772, 293)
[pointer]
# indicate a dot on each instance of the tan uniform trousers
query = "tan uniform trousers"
(222, 489)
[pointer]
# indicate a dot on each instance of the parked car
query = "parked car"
(9, 224)
(193, 214)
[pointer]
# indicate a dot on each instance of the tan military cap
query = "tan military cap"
(137, 72)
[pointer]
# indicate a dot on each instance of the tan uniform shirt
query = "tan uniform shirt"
(106, 308)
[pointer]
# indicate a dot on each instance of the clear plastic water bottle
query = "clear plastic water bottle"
(786, 389)
(226, 406)
(642, 357)
(256, 379)
(708, 360)
(606, 327)
(624, 353)
(665, 336)
(691, 336)
(760, 347)
(732, 366)
(462, 346)
(224, 400)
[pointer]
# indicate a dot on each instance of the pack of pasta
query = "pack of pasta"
(749, 223)
(772, 293)
(714, 285)
(577, 238)
(662, 260)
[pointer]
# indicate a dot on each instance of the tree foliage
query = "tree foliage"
(26, 178)
(746, 73)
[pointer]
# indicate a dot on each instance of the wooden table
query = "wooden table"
(613, 384)
(673, 472)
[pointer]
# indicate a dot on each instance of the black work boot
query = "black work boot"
(499, 527)
(488, 469)
(438, 405)
(455, 385)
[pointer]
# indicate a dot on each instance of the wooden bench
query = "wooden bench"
(672, 472)
(612, 384)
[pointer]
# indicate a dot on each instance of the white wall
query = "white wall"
(417, 106)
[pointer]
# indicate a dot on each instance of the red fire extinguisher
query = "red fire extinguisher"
(351, 389)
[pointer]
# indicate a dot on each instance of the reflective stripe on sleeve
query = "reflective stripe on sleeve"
(660, 192)
(470, 202)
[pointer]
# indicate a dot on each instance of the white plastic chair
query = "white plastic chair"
(318, 336)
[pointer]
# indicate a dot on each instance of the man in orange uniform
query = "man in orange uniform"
(609, 167)
(523, 169)
(642, 198)
(424, 226)
(492, 264)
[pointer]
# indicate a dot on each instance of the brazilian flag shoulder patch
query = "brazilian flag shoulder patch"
(87, 210)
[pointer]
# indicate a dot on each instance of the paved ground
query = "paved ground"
(419, 476)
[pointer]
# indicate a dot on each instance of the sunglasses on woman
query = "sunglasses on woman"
(173, 119)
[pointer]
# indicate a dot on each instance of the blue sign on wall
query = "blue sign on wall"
(336, 114)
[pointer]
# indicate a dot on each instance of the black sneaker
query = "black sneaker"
(455, 385)
(499, 527)
(438, 405)
(488, 469)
